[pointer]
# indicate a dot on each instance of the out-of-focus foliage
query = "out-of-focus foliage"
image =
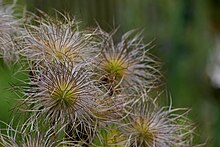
(183, 32)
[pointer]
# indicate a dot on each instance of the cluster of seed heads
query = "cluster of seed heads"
(86, 89)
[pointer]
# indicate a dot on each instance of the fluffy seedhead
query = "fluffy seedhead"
(126, 63)
(61, 93)
(53, 38)
(150, 126)
(21, 137)
(9, 34)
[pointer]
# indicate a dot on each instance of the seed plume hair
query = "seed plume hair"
(110, 109)
(21, 136)
(62, 93)
(55, 38)
(149, 125)
(9, 32)
(127, 63)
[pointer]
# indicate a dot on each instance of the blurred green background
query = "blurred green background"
(186, 34)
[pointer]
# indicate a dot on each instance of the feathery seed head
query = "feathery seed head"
(9, 32)
(147, 125)
(141, 125)
(64, 91)
(61, 92)
(55, 39)
(115, 68)
(20, 137)
(126, 63)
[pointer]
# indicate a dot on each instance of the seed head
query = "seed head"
(55, 39)
(9, 32)
(20, 137)
(126, 63)
(62, 93)
(147, 125)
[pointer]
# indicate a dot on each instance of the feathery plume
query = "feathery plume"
(125, 64)
(148, 125)
(63, 93)
(20, 137)
(53, 38)
(9, 34)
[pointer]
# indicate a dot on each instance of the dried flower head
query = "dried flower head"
(150, 126)
(53, 39)
(20, 137)
(62, 93)
(10, 28)
(126, 63)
